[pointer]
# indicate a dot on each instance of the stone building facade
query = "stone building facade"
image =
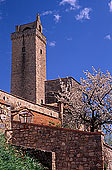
(28, 74)
(52, 88)
(40, 114)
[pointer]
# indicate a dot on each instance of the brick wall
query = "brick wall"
(74, 150)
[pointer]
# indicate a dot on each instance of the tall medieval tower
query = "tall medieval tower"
(28, 72)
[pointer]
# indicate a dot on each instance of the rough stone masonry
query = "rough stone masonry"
(28, 72)
(71, 149)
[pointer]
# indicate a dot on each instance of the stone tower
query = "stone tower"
(28, 72)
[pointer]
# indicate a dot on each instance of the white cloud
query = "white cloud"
(69, 39)
(52, 44)
(57, 18)
(84, 14)
(46, 13)
(72, 8)
(73, 3)
(108, 37)
(110, 5)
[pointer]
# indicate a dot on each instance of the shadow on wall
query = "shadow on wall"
(45, 158)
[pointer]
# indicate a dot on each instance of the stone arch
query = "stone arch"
(26, 28)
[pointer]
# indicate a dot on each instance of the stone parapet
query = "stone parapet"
(32, 32)
(17, 35)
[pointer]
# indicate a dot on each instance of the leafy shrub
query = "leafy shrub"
(13, 159)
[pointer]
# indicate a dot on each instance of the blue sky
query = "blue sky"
(79, 35)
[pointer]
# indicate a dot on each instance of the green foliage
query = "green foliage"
(105, 167)
(53, 124)
(13, 159)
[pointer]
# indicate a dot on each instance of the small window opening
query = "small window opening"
(27, 28)
(39, 28)
(41, 101)
(40, 51)
(23, 49)
(25, 116)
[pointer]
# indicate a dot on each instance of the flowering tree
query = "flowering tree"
(96, 90)
(92, 102)
(70, 97)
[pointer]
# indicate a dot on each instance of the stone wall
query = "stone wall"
(45, 158)
(23, 80)
(72, 149)
(108, 156)
(5, 117)
(53, 86)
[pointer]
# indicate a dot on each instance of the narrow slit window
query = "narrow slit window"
(23, 49)
(39, 28)
(40, 51)
(41, 101)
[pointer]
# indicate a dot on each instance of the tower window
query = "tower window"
(27, 28)
(23, 49)
(40, 51)
(39, 28)
(41, 101)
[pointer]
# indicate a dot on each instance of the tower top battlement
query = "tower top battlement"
(34, 25)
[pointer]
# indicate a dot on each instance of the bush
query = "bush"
(13, 159)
